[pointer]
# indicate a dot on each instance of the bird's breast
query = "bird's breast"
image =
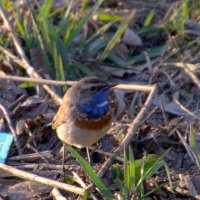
(94, 124)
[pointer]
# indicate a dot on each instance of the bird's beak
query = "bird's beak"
(110, 85)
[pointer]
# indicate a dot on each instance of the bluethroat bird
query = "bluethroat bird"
(85, 114)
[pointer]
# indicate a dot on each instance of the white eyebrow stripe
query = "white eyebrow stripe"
(102, 104)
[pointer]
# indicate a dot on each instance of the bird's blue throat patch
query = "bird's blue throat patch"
(97, 106)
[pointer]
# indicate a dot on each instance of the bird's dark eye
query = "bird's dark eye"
(92, 88)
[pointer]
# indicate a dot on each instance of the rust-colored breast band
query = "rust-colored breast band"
(94, 125)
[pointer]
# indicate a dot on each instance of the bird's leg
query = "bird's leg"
(63, 161)
(88, 155)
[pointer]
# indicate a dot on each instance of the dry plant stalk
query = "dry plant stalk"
(32, 177)
(146, 88)
(57, 195)
(186, 110)
(188, 148)
(38, 81)
(189, 70)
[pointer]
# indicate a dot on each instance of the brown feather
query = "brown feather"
(94, 125)
(66, 109)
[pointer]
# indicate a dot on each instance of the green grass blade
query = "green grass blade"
(117, 60)
(83, 6)
(96, 45)
(193, 144)
(100, 32)
(145, 31)
(154, 168)
(185, 12)
(156, 165)
(181, 19)
(27, 85)
(62, 73)
(132, 169)
(44, 10)
(117, 36)
(192, 138)
(126, 172)
(142, 172)
(83, 68)
(121, 188)
(152, 191)
(169, 176)
(149, 18)
(6, 4)
(109, 17)
(149, 160)
(63, 22)
(56, 63)
(61, 69)
(84, 21)
(100, 185)
(43, 27)
(46, 26)
(19, 24)
(154, 52)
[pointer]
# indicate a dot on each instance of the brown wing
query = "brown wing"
(60, 117)
(65, 111)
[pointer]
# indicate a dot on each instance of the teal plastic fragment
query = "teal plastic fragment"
(6, 140)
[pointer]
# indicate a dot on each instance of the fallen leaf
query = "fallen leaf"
(131, 38)
(121, 50)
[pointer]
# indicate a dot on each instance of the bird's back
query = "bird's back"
(66, 110)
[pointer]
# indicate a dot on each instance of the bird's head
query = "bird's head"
(92, 88)
(93, 96)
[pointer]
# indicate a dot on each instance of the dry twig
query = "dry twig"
(78, 179)
(31, 156)
(44, 166)
(185, 109)
(39, 179)
(39, 154)
(189, 69)
(188, 149)
(57, 195)
(149, 64)
(38, 81)
(146, 88)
